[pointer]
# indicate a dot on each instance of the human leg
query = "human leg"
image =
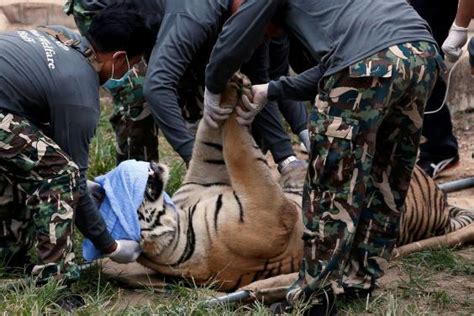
(296, 115)
(440, 144)
(390, 176)
(15, 236)
(348, 112)
(270, 134)
(440, 149)
(47, 179)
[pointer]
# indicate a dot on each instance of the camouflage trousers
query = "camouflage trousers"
(38, 196)
(136, 132)
(365, 131)
(82, 16)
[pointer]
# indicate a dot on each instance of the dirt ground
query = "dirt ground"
(452, 284)
(463, 123)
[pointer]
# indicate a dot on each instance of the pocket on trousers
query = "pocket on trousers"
(372, 67)
(333, 146)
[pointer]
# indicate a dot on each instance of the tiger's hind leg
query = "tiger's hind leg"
(207, 164)
(268, 218)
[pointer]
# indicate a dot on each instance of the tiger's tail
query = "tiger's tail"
(459, 230)
(459, 218)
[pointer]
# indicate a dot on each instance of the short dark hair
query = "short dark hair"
(120, 26)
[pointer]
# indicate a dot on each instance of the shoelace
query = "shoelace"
(440, 166)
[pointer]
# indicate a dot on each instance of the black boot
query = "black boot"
(70, 302)
(326, 307)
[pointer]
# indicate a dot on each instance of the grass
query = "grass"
(423, 287)
(419, 290)
(102, 149)
(440, 260)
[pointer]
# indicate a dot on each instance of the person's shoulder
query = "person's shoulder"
(69, 33)
(194, 9)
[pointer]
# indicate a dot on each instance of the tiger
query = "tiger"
(232, 223)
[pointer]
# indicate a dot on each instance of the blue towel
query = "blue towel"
(124, 190)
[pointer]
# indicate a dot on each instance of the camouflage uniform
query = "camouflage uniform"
(82, 17)
(365, 131)
(135, 131)
(38, 190)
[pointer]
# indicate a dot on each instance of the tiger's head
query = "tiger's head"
(157, 214)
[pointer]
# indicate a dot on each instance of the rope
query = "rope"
(448, 84)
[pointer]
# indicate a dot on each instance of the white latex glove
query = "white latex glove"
(213, 113)
(247, 115)
(127, 251)
(452, 46)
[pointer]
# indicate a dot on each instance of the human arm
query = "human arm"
(236, 43)
(72, 128)
(465, 13)
(452, 46)
(179, 40)
(73, 125)
(303, 87)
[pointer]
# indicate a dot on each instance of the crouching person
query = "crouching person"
(49, 110)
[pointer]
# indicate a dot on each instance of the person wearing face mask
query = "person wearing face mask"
(49, 110)
(136, 133)
(174, 81)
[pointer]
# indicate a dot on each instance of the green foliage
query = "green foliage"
(102, 148)
(420, 290)
(439, 260)
(23, 296)
(177, 173)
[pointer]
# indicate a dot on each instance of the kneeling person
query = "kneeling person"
(49, 110)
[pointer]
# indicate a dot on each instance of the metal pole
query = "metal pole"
(228, 298)
(457, 185)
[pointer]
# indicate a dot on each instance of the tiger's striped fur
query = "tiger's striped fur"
(233, 223)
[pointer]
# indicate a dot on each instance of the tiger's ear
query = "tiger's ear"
(157, 179)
